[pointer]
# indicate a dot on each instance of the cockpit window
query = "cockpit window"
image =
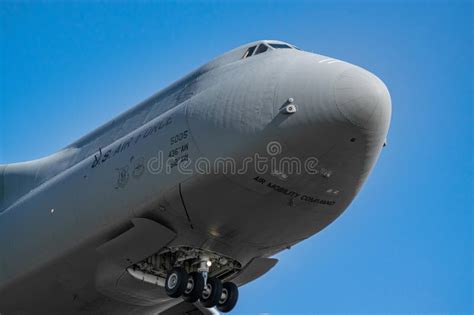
(279, 46)
(261, 49)
(249, 52)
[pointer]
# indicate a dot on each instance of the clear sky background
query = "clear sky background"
(406, 242)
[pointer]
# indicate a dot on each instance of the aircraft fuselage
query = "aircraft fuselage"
(186, 159)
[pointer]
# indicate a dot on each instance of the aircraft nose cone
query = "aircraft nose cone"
(363, 99)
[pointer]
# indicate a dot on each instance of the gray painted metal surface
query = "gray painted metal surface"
(71, 222)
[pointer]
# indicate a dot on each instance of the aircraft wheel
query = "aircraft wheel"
(176, 282)
(212, 292)
(229, 297)
(194, 287)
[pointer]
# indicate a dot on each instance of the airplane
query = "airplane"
(165, 210)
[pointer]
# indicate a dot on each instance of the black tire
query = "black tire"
(212, 292)
(175, 283)
(230, 293)
(196, 283)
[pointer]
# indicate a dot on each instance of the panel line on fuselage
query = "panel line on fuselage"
(184, 206)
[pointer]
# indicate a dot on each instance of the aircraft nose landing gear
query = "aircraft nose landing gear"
(192, 288)
(192, 274)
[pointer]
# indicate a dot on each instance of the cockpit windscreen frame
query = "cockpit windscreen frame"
(264, 47)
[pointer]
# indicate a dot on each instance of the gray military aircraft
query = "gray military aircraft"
(171, 206)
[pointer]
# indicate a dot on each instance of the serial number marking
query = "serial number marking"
(178, 150)
(179, 137)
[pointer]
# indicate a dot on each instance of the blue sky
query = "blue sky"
(404, 245)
